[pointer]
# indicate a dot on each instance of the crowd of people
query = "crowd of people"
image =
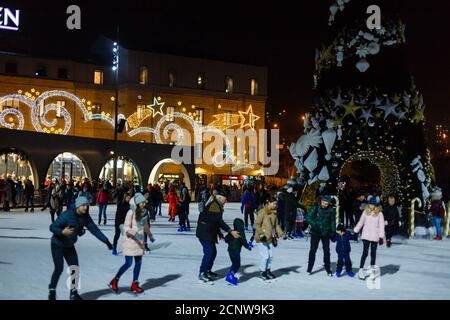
(268, 215)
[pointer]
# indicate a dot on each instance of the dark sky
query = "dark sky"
(279, 34)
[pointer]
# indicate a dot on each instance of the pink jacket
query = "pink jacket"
(130, 247)
(372, 226)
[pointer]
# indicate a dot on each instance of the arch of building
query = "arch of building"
(157, 170)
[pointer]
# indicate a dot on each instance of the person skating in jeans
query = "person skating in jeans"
(135, 226)
(322, 219)
(437, 210)
(372, 225)
(266, 239)
(66, 230)
(210, 221)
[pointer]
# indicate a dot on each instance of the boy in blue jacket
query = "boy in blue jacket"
(342, 239)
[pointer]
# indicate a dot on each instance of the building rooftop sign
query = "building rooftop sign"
(9, 19)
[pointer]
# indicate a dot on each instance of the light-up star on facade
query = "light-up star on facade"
(156, 103)
(248, 121)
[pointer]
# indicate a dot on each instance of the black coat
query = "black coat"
(70, 218)
(391, 214)
(210, 221)
(121, 213)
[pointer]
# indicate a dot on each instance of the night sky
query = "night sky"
(279, 35)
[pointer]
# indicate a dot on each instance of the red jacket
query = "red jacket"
(103, 197)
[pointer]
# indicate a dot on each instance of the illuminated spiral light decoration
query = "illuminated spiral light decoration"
(17, 114)
(173, 126)
(64, 113)
(145, 130)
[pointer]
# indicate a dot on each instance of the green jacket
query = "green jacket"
(322, 221)
(235, 245)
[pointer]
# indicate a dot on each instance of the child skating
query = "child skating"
(343, 248)
(234, 250)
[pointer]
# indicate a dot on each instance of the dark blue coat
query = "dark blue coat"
(70, 218)
(343, 243)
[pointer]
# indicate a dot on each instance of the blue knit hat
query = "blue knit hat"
(326, 198)
(374, 201)
(79, 201)
(138, 198)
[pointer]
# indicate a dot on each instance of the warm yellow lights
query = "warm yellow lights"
(179, 103)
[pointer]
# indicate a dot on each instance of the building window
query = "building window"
(143, 75)
(98, 77)
(63, 73)
(201, 81)
(59, 104)
(172, 78)
(41, 71)
(170, 111)
(198, 116)
(253, 87)
(96, 108)
(11, 67)
(228, 84)
(227, 118)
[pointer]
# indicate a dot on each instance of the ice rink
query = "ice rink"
(411, 269)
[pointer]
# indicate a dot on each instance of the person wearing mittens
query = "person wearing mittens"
(136, 224)
(372, 225)
(66, 229)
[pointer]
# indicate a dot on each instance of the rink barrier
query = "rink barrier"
(412, 216)
(446, 232)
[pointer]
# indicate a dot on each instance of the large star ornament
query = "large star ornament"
(159, 104)
(248, 118)
(366, 114)
(338, 102)
(388, 108)
(351, 108)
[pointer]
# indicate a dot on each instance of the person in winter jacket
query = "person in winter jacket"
(121, 213)
(359, 205)
(266, 222)
(183, 206)
(102, 202)
(66, 229)
(372, 225)
(234, 250)
(7, 195)
(135, 226)
(391, 219)
(343, 248)
(29, 195)
(210, 221)
(280, 209)
(322, 219)
(173, 199)
(55, 201)
(437, 210)
(299, 220)
(290, 211)
(248, 207)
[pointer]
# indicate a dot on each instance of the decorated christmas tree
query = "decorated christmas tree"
(366, 107)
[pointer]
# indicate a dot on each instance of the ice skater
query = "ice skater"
(210, 221)
(437, 210)
(391, 213)
(66, 230)
(372, 225)
(121, 213)
(266, 222)
(234, 250)
(136, 224)
(322, 219)
(248, 207)
(343, 248)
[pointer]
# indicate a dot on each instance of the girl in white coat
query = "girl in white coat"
(136, 224)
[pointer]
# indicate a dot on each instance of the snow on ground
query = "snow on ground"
(411, 269)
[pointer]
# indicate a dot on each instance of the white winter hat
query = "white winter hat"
(437, 193)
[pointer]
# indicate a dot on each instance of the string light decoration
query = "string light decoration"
(156, 103)
(17, 114)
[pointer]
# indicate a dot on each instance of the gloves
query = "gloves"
(152, 239)
(381, 241)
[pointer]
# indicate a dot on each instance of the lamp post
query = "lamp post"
(116, 103)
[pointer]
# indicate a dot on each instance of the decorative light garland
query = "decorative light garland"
(15, 112)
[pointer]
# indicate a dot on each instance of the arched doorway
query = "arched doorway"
(16, 165)
(127, 171)
(69, 167)
(168, 170)
(372, 172)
